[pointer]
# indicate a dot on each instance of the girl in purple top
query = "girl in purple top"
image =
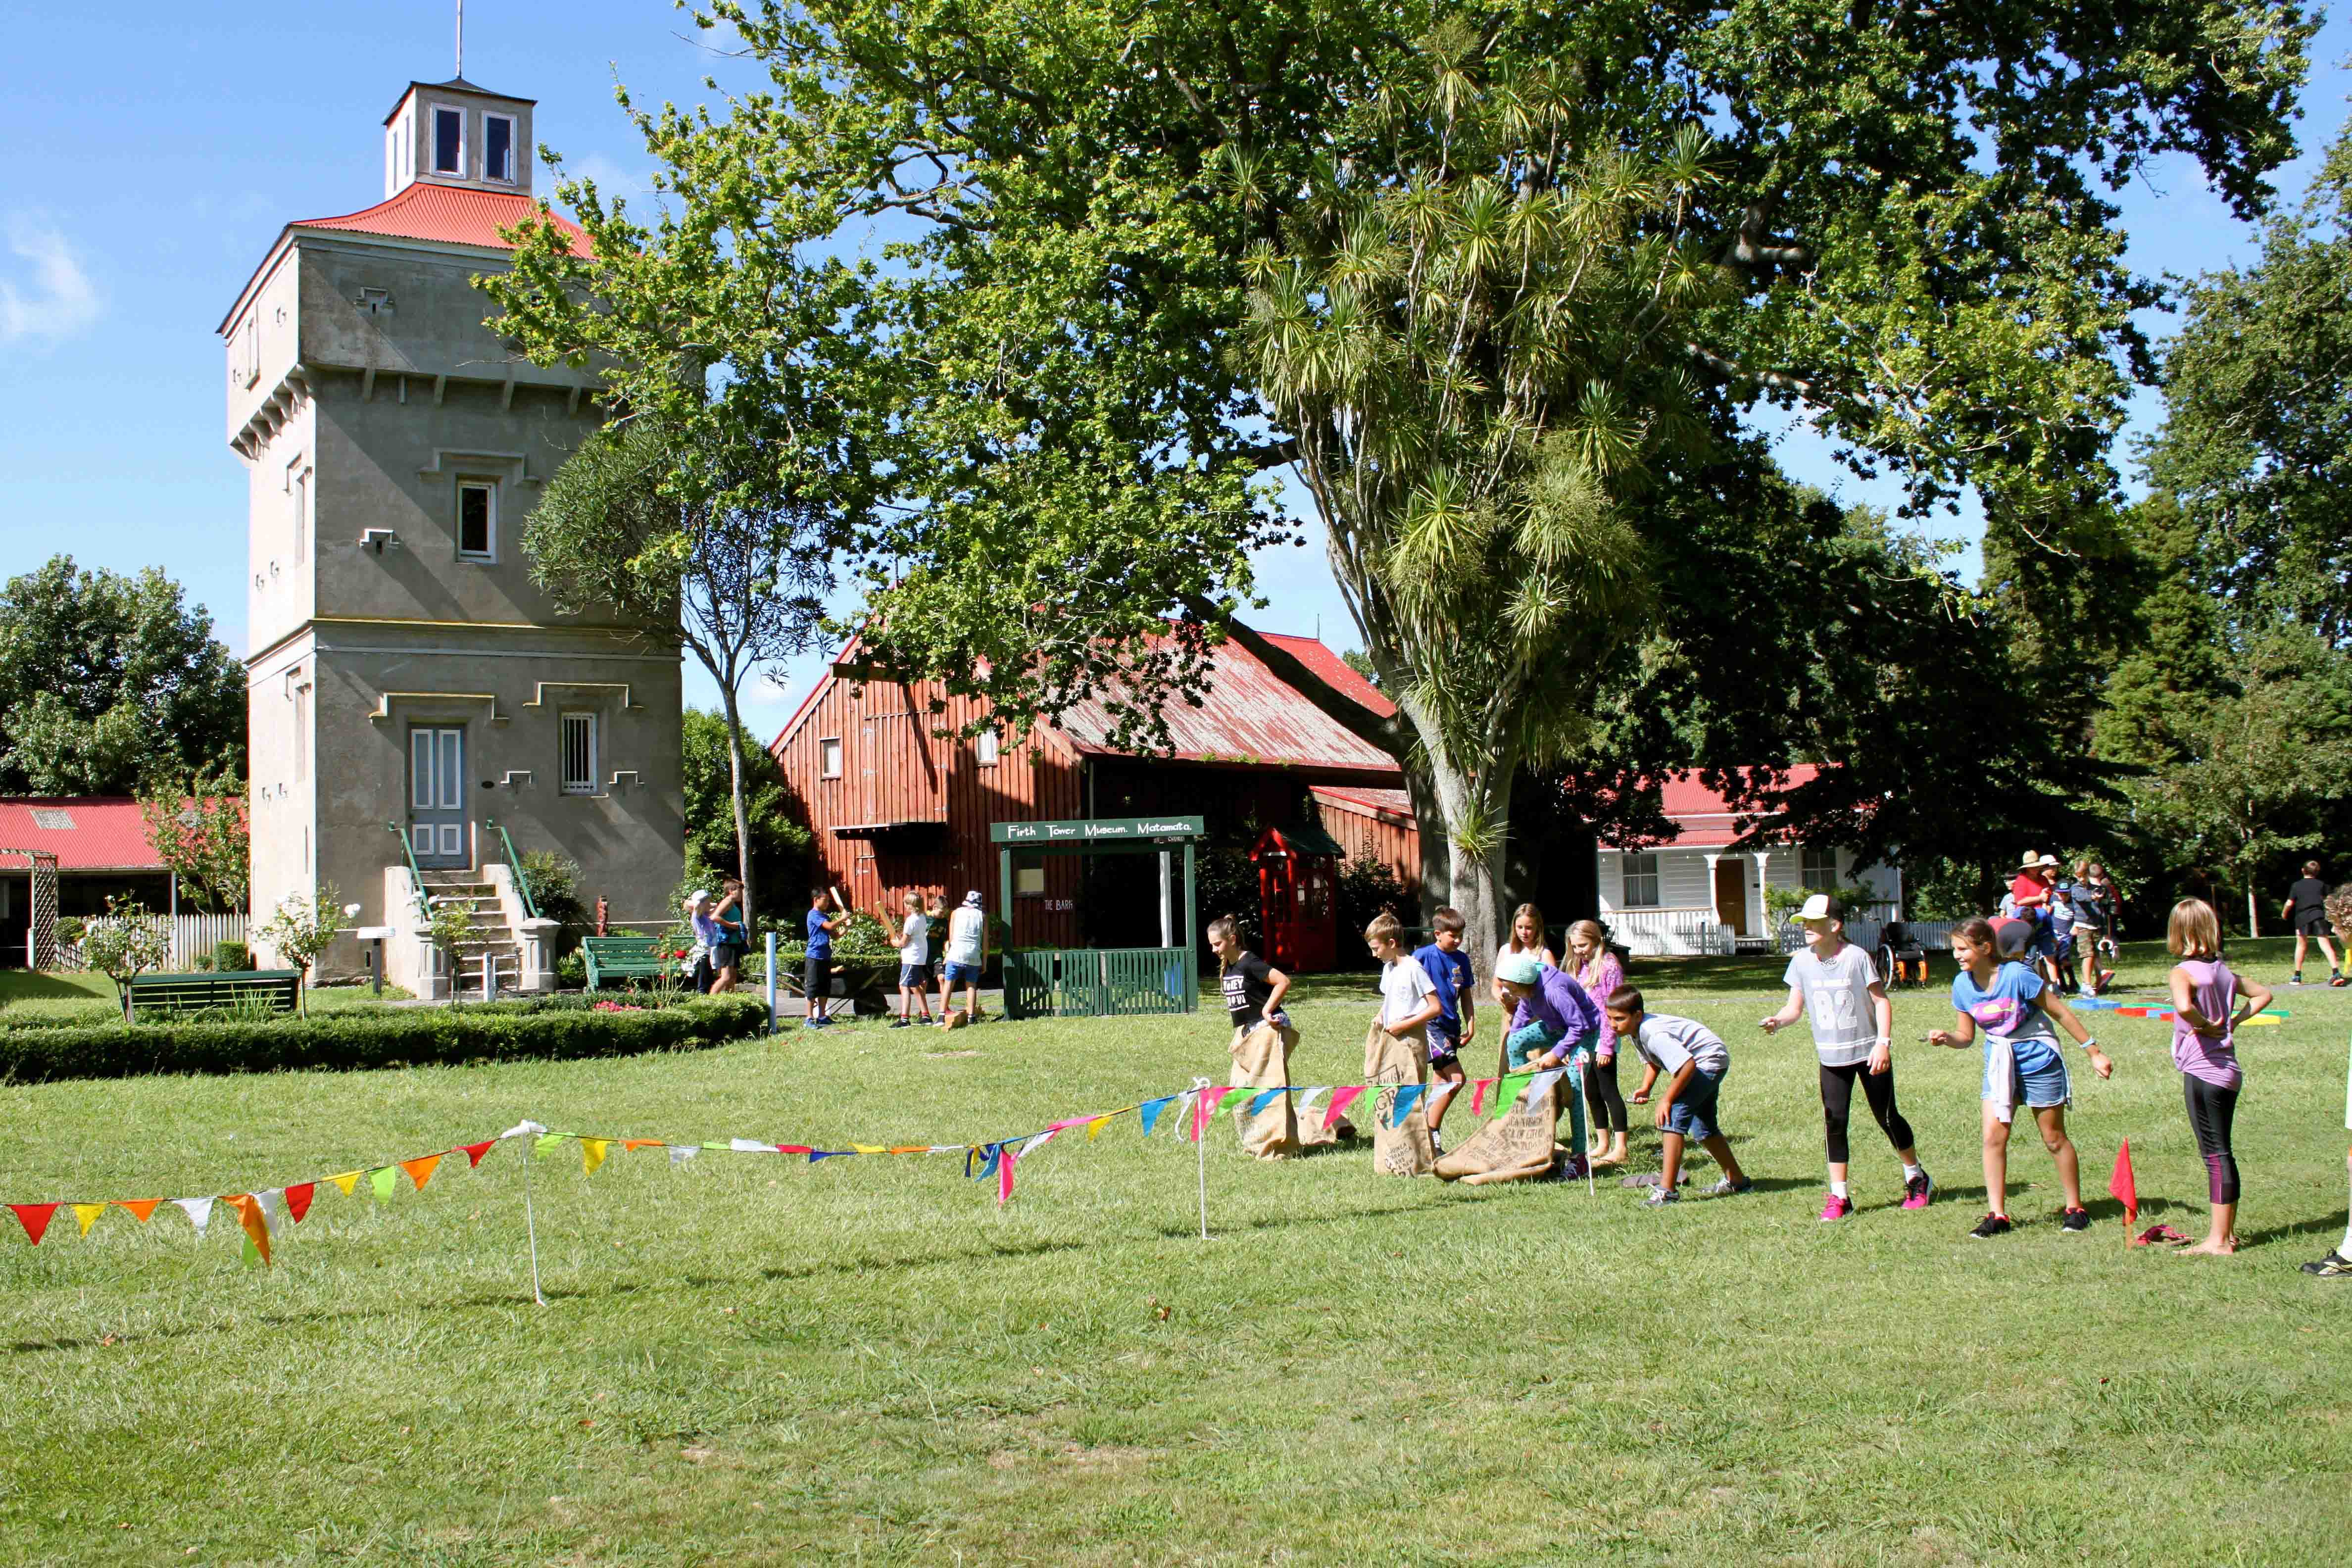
(1596, 969)
(2209, 1003)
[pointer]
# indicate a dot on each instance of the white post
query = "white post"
(529, 1131)
(1201, 1087)
(489, 975)
(1763, 908)
(1167, 901)
(772, 981)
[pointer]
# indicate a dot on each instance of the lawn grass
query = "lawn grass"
(755, 1360)
(82, 996)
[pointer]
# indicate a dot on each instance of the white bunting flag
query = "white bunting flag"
(198, 1210)
(745, 1146)
(1033, 1142)
(1307, 1102)
(273, 1207)
(679, 1154)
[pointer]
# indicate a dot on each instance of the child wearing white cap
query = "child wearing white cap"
(967, 951)
(1834, 983)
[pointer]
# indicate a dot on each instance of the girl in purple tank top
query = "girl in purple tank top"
(2209, 1003)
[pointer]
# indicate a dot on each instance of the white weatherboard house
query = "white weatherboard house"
(1695, 894)
(420, 716)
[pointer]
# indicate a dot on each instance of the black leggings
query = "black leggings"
(1601, 1093)
(2211, 1109)
(1837, 1106)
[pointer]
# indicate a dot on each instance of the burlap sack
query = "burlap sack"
(1405, 1150)
(1262, 1060)
(1513, 1147)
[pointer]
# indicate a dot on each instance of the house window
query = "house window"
(580, 754)
(984, 748)
(829, 758)
(1819, 868)
(478, 521)
(448, 141)
(249, 350)
(302, 515)
(1642, 881)
(498, 147)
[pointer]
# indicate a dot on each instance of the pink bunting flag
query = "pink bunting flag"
(1004, 1176)
(1340, 1100)
(1478, 1095)
(1205, 1111)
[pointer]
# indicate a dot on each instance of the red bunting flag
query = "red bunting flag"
(474, 1152)
(2121, 1186)
(298, 1199)
(35, 1218)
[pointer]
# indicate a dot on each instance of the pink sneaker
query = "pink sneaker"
(1836, 1208)
(1920, 1191)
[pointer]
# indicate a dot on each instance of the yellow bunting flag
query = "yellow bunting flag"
(1097, 1125)
(140, 1207)
(382, 1179)
(591, 1153)
(257, 1227)
(347, 1181)
(420, 1169)
(870, 1148)
(88, 1214)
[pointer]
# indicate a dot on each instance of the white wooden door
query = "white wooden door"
(437, 795)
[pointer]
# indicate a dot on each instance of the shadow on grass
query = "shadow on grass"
(20, 986)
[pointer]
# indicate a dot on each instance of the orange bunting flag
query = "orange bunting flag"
(631, 1145)
(298, 1199)
(139, 1207)
(257, 1227)
(88, 1214)
(591, 1153)
(474, 1152)
(420, 1169)
(35, 1218)
(347, 1181)
(910, 1148)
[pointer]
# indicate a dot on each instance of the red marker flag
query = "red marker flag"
(2122, 1187)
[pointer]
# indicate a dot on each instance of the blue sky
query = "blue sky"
(152, 151)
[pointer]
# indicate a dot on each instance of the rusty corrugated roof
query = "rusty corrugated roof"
(1391, 805)
(1251, 716)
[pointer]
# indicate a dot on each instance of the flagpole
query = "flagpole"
(529, 1221)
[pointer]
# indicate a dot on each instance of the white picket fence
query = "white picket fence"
(193, 936)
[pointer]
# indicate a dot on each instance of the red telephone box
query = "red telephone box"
(1299, 901)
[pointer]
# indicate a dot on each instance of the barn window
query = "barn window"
(829, 758)
(984, 748)
(1820, 870)
(1642, 881)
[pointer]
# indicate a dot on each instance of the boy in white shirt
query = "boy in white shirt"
(1408, 996)
(914, 960)
(1834, 982)
(967, 953)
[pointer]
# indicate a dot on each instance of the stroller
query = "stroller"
(1901, 956)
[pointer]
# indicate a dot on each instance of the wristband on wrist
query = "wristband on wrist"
(2092, 1044)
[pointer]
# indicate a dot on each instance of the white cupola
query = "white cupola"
(455, 133)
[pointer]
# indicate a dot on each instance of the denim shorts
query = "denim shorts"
(1693, 1113)
(964, 975)
(912, 977)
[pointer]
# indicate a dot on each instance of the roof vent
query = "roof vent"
(51, 818)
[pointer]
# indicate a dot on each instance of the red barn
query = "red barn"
(894, 804)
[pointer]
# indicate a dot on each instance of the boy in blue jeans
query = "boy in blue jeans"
(1694, 1060)
(1448, 968)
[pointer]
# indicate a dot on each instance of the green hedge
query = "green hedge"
(379, 1037)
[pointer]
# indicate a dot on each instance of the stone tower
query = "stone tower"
(420, 715)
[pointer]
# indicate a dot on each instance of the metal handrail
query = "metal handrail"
(416, 875)
(514, 864)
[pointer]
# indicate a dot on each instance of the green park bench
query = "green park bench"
(625, 958)
(168, 994)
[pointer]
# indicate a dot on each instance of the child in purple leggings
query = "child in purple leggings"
(2209, 1003)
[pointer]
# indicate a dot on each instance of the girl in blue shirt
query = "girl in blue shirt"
(2015, 1009)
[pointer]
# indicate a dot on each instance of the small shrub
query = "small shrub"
(231, 955)
(204, 963)
(571, 970)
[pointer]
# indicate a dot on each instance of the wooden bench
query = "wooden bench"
(169, 993)
(625, 958)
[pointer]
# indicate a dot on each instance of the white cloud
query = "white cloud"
(49, 296)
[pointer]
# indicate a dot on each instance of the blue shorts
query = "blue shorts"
(1442, 1042)
(2046, 1086)
(1693, 1113)
(913, 976)
(964, 975)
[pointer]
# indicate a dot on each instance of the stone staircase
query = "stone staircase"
(489, 934)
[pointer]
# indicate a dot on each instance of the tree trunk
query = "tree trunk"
(743, 813)
(2254, 911)
(1444, 795)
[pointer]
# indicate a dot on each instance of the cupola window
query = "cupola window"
(498, 147)
(449, 141)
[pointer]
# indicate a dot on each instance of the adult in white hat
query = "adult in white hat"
(967, 951)
(2029, 890)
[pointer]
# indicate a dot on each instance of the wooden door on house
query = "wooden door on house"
(1732, 893)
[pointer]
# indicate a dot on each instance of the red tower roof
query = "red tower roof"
(452, 215)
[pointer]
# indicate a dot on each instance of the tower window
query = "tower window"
(579, 753)
(478, 521)
(498, 147)
(302, 514)
(448, 141)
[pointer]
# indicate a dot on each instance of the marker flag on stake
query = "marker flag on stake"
(420, 1169)
(2122, 1187)
(298, 1199)
(35, 1218)
(1340, 1100)
(474, 1152)
(88, 1214)
(592, 1154)
(140, 1207)
(380, 1181)
(198, 1210)
(347, 1181)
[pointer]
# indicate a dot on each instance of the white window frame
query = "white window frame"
(432, 139)
(514, 153)
(300, 478)
(1640, 865)
(568, 782)
(1807, 870)
(467, 483)
(828, 757)
(987, 749)
(301, 732)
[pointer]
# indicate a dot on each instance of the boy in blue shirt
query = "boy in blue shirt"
(816, 973)
(1448, 968)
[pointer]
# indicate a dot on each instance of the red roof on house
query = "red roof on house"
(1705, 819)
(1251, 715)
(452, 215)
(1389, 805)
(86, 833)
